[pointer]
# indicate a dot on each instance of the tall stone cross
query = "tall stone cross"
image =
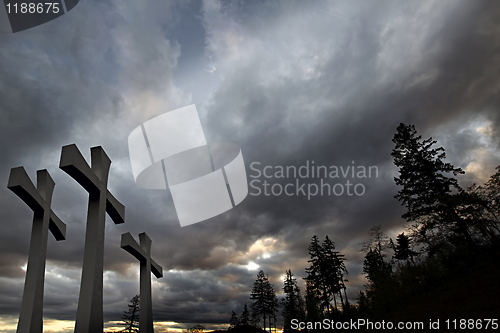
(142, 252)
(89, 315)
(39, 200)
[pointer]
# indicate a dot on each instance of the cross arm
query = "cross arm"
(20, 183)
(115, 209)
(57, 227)
(73, 163)
(129, 244)
(37, 199)
(156, 269)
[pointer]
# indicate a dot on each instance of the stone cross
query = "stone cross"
(39, 200)
(89, 316)
(142, 252)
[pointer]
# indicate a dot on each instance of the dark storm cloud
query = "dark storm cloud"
(289, 83)
(285, 125)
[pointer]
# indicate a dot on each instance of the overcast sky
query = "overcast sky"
(288, 81)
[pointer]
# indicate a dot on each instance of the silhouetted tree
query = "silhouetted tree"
(363, 305)
(316, 288)
(196, 329)
(131, 317)
(426, 189)
(325, 278)
(334, 271)
(293, 304)
(375, 267)
(272, 305)
(265, 303)
(422, 172)
(483, 207)
(402, 250)
(245, 316)
(378, 270)
(313, 301)
(233, 322)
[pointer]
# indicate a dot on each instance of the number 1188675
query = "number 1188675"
(33, 8)
(472, 324)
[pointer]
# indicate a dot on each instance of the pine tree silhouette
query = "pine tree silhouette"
(131, 317)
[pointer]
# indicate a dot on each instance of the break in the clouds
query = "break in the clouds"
(288, 81)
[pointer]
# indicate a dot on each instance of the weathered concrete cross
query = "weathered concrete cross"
(89, 316)
(143, 253)
(44, 219)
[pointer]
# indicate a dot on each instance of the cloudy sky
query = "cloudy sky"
(288, 81)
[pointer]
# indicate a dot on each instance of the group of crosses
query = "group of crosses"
(94, 179)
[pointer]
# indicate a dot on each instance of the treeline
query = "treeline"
(325, 294)
(450, 232)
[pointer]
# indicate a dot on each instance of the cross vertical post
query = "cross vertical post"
(89, 316)
(39, 200)
(142, 252)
